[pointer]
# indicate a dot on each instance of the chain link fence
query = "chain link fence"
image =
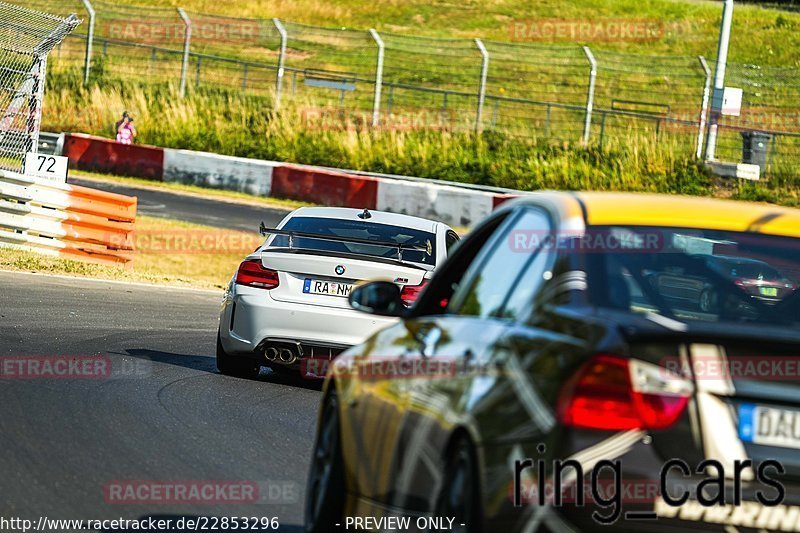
(346, 78)
(26, 38)
(770, 105)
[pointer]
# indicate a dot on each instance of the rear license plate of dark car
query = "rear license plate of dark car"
(770, 426)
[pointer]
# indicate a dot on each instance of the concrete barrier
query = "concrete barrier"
(743, 171)
(460, 206)
(324, 187)
(205, 169)
(97, 154)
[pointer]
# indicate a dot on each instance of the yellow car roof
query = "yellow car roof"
(605, 209)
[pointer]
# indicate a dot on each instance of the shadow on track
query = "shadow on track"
(207, 364)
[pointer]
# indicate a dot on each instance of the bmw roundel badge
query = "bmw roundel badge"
(339, 269)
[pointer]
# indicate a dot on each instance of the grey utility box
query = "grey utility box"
(755, 145)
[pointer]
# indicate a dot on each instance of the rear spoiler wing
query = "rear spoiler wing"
(263, 230)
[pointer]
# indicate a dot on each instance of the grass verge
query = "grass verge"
(212, 121)
(687, 27)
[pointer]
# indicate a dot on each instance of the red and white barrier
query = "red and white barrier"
(66, 220)
(451, 204)
(96, 154)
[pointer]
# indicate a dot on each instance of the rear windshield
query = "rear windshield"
(749, 269)
(694, 274)
(359, 229)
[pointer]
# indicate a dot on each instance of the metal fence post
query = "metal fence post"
(701, 128)
(602, 128)
(376, 104)
(197, 68)
(187, 39)
(35, 102)
(281, 59)
(87, 61)
(719, 79)
(547, 121)
(482, 88)
(587, 126)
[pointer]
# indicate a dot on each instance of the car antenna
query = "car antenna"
(365, 214)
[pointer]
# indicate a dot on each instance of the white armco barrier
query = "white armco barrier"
(66, 220)
(453, 203)
(250, 176)
(459, 207)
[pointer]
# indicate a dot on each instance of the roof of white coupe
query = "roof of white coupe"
(377, 217)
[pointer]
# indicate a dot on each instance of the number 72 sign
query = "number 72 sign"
(47, 167)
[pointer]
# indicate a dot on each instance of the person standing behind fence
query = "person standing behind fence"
(126, 131)
(120, 121)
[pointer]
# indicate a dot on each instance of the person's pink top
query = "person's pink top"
(125, 135)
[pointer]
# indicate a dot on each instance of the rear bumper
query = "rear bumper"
(249, 316)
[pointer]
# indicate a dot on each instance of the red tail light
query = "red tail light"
(613, 393)
(410, 292)
(252, 274)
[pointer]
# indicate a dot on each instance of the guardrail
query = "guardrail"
(109, 165)
(51, 143)
(454, 203)
(66, 220)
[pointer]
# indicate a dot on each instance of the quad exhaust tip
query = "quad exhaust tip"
(271, 354)
(287, 356)
(280, 355)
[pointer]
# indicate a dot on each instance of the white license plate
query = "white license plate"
(328, 288)
(768, 291)
(769, 425)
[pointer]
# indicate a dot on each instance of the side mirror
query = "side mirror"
(377, 298)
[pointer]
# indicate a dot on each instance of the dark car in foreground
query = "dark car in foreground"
(542, 381)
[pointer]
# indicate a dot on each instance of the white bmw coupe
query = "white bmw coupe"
(287, 303)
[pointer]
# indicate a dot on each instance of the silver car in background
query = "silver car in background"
(287, 303)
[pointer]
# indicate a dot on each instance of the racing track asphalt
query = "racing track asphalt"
(164, 413)
(191, 208)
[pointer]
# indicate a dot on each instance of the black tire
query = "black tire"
(325, 490)
(708, 301)
(459, 496)
(240, 367)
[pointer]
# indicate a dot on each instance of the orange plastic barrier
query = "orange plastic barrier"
(99, 226)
